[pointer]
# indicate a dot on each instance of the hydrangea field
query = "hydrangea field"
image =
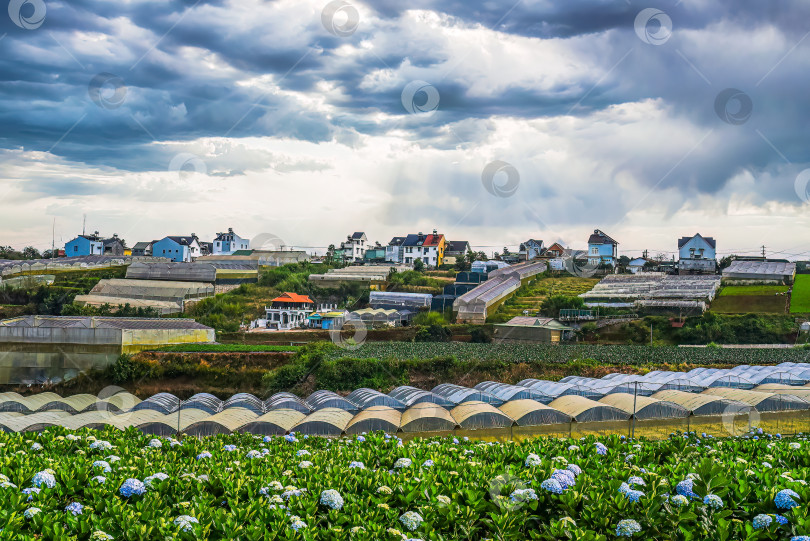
(126, 485)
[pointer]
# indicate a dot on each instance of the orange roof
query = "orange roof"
(292, 297)
(433, 240)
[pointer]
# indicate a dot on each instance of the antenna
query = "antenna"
(53, 239)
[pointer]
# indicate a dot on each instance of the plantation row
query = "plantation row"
(59, 485)
(619, 354)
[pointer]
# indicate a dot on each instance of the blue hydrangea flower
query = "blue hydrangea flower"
(203, 455)
(634, 495)
(800, 538)
(332, 499)
(229, 448)
(290, 438)
(523, 495)
(361, 439)
(103, 464)
(427, 463)
(679, 500)
(31, 511)
(186, 522)
(685, 488)
(403, 463)
(30, 492)
(565, 478)
(100, 479)
(573, 468)
(781, 519)
(75, 508)
(302, 452)
(714, 501)
(45, 477)
(411, 520)
(552, 485)
(160, 476)
(132, 487)
(762, 521)
(532, 460)
(600, 449)
(627, 528)
(636, 480)
(623, 488)
(296, 523)
(358, 465)
(784, 499)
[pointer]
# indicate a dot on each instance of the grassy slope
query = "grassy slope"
(750, 299)
(800, 300)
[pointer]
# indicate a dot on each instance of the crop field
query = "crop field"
(128, 486)
(750, 299)
(569, 286)
(800, 299)
(615, 355)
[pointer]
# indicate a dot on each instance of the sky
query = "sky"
(492, 122)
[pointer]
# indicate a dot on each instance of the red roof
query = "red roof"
(433, 240)
(293, 297)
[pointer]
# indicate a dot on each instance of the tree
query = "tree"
(481, 256)
(624, 260)
(552, 305)
(29, 252)
(726, 261)
(505, 251)
(418, 265)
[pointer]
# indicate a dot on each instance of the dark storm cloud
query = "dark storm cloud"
(159, 50)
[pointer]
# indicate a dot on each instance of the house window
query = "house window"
(76, 248)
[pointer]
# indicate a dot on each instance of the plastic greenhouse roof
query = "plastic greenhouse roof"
(531, 413)
(324, 422)
(645, 407)
(375, 418)
(478, 415)
(427, 417)
(585, 410)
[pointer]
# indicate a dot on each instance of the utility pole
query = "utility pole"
(763, 250)
(53, 239)
(84, 223)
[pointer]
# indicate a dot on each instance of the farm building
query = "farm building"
(758, 271)
(375, 276)
(398, 301)
(533, 330)
(480, 302)
(36, 349)
(165, 296)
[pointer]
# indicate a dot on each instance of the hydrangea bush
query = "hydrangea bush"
(379, 488)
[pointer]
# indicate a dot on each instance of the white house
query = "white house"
(289, 311)
(354, 248)
(697, 255)
(393, 252)
(178, 249)
(228, 243)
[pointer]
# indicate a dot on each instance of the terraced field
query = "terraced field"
(750, 300)
(542, 289)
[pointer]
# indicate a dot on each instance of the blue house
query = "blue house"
(531, 249)
(178, 249)
(697, 255)
(85, 245)
(602, 249)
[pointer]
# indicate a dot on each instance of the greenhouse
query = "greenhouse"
(179, 272)
(527, 412)
(704, 404)
(245, 401)
(479, 415)
(556, 390)
(584, 410)
(375, 418)
(427, 417)
(286, 401)
(162, 402)
(763, 402)
(324, 422)
(274, 423)
(367, 398)
(457, 394)
(203, 401)
(224, 422)
(644, 407)
(505, 392)
(328, 399)
(411, 396)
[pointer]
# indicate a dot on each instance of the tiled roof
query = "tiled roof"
(396, 241)
(358, 235)
(183, 241)
(457, 245)
(293, 297)
(709, 240)
(433, 240)
(598, 237)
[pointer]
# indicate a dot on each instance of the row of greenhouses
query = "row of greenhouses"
(448, 408)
